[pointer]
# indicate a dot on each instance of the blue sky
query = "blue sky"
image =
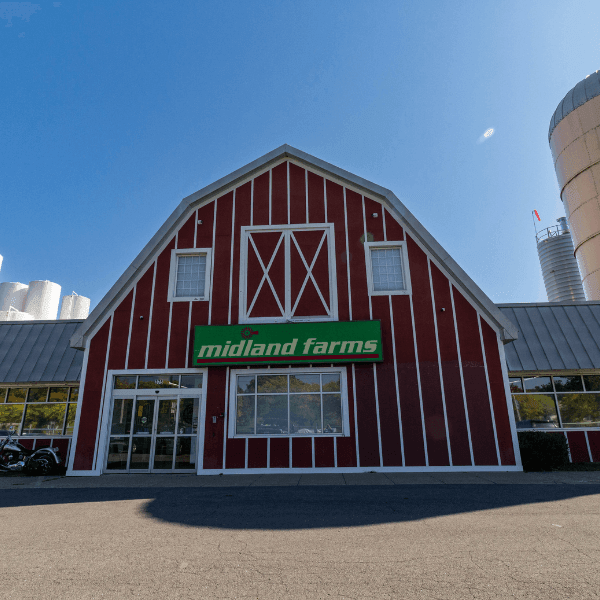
(112, 112)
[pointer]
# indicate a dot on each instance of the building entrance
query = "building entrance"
(154, 434)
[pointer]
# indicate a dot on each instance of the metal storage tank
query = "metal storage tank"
(15, 315)
(574, 138)
(75, 307)
(559, 267)
(42, 300)
(12, 293)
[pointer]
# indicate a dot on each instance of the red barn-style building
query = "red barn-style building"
(293, 317)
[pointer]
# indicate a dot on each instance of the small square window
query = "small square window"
(387, 268)
(190, 274)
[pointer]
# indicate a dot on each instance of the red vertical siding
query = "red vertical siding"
(257, 453)
(324, 453)
(393, 229)
(455, 407)
(159, 328)
(260, 202)
(236, 453)
(368, 436)
(578, 447)
(120, 333)
(496, 378)
(298, 194)
(222, 258)
(279, 196)
(90, 400)
(141, 319)
(204, 239)
(280, 453)
(316, 199)
(594, 441)
(180, 315)
(301, 453)
(346, 446)
(242, 218)
(478, 405)
(391, 447)
(185, 235)
(431, 389)
(215, 405)
(412, 430)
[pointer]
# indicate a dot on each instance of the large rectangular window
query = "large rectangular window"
(283, 402)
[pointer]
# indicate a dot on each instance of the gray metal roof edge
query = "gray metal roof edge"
(102, 309)
(554, 121)
(551, 304)
(36, 321)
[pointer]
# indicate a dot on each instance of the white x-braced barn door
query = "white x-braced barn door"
(287, 274)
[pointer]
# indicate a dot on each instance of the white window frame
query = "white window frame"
(369, 246)
(288, 371)
(171, 297)
(243, 291)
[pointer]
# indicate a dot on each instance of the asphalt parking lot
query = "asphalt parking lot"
(530, 536)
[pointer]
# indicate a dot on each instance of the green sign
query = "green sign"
(287, 343)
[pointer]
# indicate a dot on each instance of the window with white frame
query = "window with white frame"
(289, 402)
(287, 273)
(387, 268)
(190, 274)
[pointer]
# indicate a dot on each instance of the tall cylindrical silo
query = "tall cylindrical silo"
(559, 267)
(66, 308)
(42, 300)
(75, 307)
(81, 307)
(574, 138)
(12, 293)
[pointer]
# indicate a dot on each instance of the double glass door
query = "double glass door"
(153, 434)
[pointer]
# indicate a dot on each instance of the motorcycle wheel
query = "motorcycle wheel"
(43, 466)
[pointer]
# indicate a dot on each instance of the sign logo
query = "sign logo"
(288, 343)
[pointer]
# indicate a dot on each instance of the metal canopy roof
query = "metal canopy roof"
(585, 90)
(554, 336)
(39, 351)
(209, 193)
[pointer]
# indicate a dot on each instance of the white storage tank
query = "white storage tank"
(42, 300)
(12, 293)
(15, 315)
(559, 267)
(75, 307)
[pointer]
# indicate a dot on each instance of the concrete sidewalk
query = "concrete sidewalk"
(313, 479)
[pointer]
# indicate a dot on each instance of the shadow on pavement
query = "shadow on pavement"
(283, 508)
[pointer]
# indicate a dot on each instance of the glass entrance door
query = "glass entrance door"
(153, 434)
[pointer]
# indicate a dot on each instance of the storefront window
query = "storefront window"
(579, 410)
(39, 411)
(298, 403)
(556, 401)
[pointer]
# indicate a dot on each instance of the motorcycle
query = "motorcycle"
(15, 457)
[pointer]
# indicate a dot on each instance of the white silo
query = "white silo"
(66, 308)
(42, 300)
(559, 266)
(574, 137)
(12, 293)
(1, 259)
(75, 307)
(81, 307)
(15, 315)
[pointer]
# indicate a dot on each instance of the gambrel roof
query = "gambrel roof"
(285, 152)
